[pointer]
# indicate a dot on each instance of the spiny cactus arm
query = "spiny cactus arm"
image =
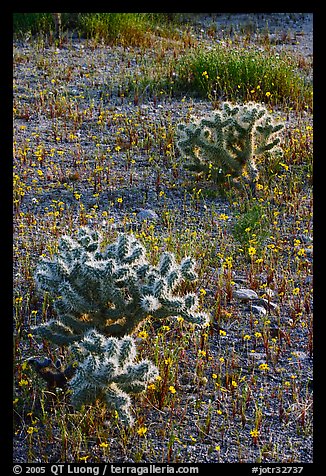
(118, 400)
(126, 352)
(57, 333)
(269, 146)
(76, 301)
(133, 387)
(137, 376)
(188, 136)
(129, 250)
(167, 262)
(240, 141)
(173, 273)
(217, 152)
(49, 275)
(107, 371)
(136, 254)
(142, 270)
(187, 268)
(174, 278)
(143, 371)
(190, 147)
(184, 306)
(88, 239)
(82, 392)
(251, 113)
(94, 342)
(95, 371)
(77, 325)
(215, 124)
(201, 319)
(181, 305)
(70, 251)
(229, 109)
(267, 130)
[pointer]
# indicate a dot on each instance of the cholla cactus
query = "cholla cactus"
(229, 141)
(113, 290)
(107, 371)
(102, 297)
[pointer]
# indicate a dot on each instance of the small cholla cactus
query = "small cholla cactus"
(229, 141)
(112, 290)
(102, 296)
(107, 371)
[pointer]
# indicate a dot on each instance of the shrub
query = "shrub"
(242, 75)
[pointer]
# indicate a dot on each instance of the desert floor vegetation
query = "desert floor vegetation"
(95, 115)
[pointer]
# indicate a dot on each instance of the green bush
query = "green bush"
(32, 22)
(251, 226)
(130, 28)
(242, 75)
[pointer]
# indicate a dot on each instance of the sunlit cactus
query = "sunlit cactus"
(101, 297)
(113, 290)
(229, 141)
(107, 371)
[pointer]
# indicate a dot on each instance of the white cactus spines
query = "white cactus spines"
(229, 141)
(112, 290)
(107, 371)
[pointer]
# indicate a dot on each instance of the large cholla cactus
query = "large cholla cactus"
(113, 290)
(102, 298)
(107, 371)
(229, 141)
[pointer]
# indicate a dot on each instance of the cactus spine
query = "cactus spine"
(229, 141)
(102, 298)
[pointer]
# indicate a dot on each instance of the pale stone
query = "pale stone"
(245, 294)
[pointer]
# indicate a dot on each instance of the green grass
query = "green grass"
(239, 74)
(32, 22)
(125, 28)
(130, 28)
(252, 221)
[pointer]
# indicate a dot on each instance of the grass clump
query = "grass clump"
(242, 75)
(32, 22)
(112, 28)
(251, 226)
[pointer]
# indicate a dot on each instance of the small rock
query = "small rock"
(245, 294)
(148, 214)
(260, 310)
(266, 304)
